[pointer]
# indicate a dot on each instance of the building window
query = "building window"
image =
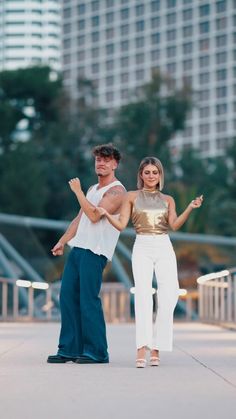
(109, 3)
(204, 61)
(221, 41)
(221, 57)
(234, 72)
(234, 20)
(221, 92)
(95, 68)
(221, 74)
(221, 143)
(204, 145)
(204, 129)
(110, 65)
(110, 49)
(188, 132)
(171, 35)
(221, 126)
(66, 59)
(221, 109)
(66, 43)
(95, 36)
(139, 10)
(204, 27)
(187, 65)
(155, 6)
(155, 55)
(171, 68)
(171, 3)
(124, 94)
(188, 48)
(171, 52)
(139, 58)
(204, 112)
(67, 13)
(124, 78)
(204, 95)
(187, 31)
(124, 30)
(139, 42)
(171, 19)
(204, 44)
(110, 33)
(221, 23)
(155, 38)
(155, 22)
(187, 14)
(81, 55)
(204, 10)
(95, 20)
(124, 62)
(140, 26)
(81, 71)
(95, 6)
(124, 14)
(81, 9)
(81, 40)
(110, 17)
(109, 80)
(109, 96)
(204, 78)
(124, 46)
(221, 6)
(95, 52)
(66, 28)
(139, 74)
(81, 25)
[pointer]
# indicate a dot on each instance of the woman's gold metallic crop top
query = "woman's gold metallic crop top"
(150, 213)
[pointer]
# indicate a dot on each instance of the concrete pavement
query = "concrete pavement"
(197, 380)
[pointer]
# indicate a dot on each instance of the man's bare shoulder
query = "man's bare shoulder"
(116, 190)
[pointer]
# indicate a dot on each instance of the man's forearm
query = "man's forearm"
(87, 207)
(71, 230)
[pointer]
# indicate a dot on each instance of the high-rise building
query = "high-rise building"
(118, 44)
(30, 33)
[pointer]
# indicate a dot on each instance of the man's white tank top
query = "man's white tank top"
(101, 237)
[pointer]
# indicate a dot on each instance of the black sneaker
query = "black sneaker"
(59, 359)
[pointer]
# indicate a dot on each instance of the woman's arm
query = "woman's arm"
(119, 222)
(175, 222)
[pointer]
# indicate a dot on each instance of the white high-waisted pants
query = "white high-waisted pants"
(154, 253)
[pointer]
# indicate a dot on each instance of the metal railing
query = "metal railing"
(42, 306)
(217, 297)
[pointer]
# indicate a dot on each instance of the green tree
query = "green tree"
(145, 125)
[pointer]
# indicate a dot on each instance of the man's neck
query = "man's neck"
(106, 180)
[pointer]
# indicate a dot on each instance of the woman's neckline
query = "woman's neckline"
(151, 190)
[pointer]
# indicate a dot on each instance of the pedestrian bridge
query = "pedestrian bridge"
(196, 380)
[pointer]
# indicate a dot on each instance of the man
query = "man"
(83, 333)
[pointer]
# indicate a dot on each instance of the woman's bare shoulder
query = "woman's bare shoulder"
(131, 195)
(167, 198)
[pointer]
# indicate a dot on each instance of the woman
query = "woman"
(152, 213)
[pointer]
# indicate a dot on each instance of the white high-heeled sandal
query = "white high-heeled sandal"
(154, 361)
(141, 363)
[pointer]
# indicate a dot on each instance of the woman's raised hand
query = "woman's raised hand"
(197, 202)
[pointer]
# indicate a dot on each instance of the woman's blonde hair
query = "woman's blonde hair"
(155, 162)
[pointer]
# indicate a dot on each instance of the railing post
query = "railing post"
(15, 301)
(4, 300)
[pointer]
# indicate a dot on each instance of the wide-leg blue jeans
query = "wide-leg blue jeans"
(83, 330)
